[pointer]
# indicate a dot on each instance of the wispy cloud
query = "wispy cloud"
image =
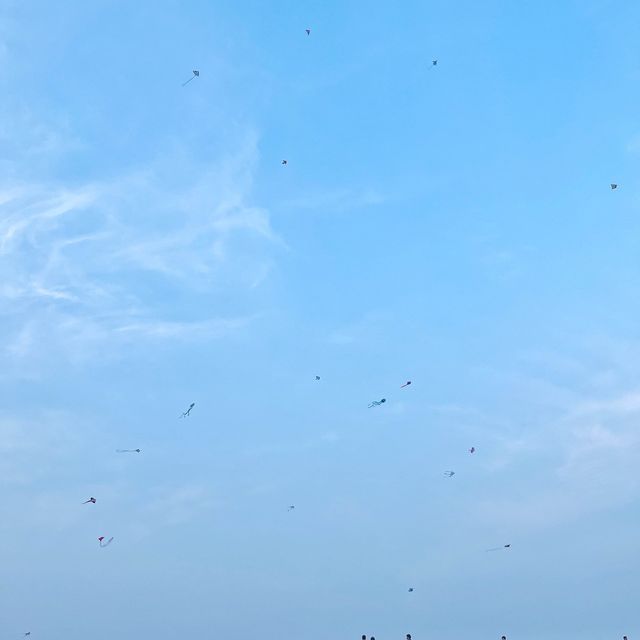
(82, 263)
(583, 459)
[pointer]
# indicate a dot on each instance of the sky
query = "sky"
(452, 225)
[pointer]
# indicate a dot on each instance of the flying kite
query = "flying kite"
(406, 384)
(434, 63)
(103, 543)
(128, 450)
(308, 31)
(91, 500)
(188, 411)
(285, 162)
(196, 74)
(472, 450)
(614, 186)
(410, 589)
(408, 636)
(28, 633)
(291, 507)
(449, 474)
(503, 638)
(504, 546)
(317, 377)
(377, 403)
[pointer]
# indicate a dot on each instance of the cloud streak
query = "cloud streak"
(106, 260)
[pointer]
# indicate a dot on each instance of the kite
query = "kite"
(188, 411)
(308, 31)
(377, 403)
(91, 500)
(410, 589)
(503, 638)
(472, 450)
(291, 507)
(614, 186)
(406, 384)
(434, 63)
(285, 162)
(28, 633)
(504, 546)
(408, 636)
(449, 474)
(317, 377)
(103, 543)
(196, 74)
(128, 450)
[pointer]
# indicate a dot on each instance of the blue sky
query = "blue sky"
(449, 225)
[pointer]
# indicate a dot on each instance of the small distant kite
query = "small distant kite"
(308, 31)
(503, 638)
(188, 411)
(28, 633)
(614, 186)
(406, 384)
(504, 546)
(90, 500)
(434, 63)
(128, 450)
(377, 403)
(102, 542)
(196, 74)
(449, 474)
(410, 589)
(317, 377)
(472, 450)
(285, 162)
(408, 636)
(291, 507)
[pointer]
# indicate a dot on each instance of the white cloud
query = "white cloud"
(581, 461)
(103, 261)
